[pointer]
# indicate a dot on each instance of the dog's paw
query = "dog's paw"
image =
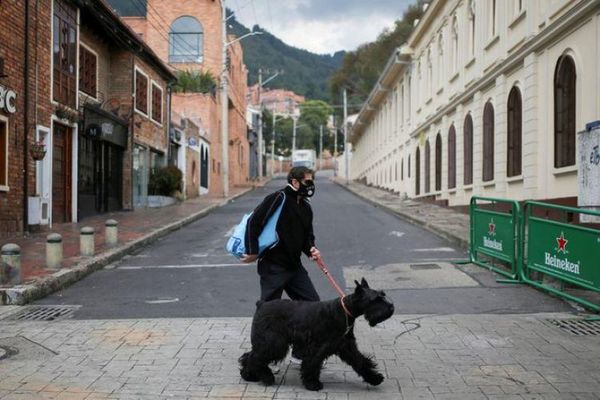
(268, 380)
(374, 379)
(314, 386)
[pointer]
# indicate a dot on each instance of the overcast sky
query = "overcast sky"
(321, 26)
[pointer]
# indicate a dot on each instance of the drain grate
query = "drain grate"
(43, 313)
(424, 266)
(579, 327)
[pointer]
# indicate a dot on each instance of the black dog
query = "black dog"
(316, 330)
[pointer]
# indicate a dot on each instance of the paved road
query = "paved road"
(188, 274)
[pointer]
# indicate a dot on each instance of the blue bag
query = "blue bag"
(267, 239)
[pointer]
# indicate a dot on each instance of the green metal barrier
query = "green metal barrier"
(495, 234)
(564, 251)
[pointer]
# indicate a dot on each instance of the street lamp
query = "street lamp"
(225, 97)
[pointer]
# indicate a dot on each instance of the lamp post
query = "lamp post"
(225, 97)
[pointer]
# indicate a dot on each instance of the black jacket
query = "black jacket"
(294, 228)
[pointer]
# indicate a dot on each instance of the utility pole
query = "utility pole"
(273, 147)
(335, 135)
(260, 127)
(320, 147)
(346, 155)
(294, 136)
(224, 107)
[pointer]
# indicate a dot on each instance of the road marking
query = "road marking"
(162, 301)
(396, 233)
(436, 250)
(183, 266)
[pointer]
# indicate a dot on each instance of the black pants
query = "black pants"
(274, 279)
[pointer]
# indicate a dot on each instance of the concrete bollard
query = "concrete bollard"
(111, 234)
(54, 251)
(10, 267)
(86, 241)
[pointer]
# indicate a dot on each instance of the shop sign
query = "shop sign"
(8, 100)
(93, 130)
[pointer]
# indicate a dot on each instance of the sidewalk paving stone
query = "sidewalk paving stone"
(88, 366)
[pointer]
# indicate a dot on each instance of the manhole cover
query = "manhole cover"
(579, 327)
(43, 313)
(424, 266)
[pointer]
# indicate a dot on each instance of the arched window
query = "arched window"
(418, 172)
(454, 44)
(440, 62)
(515, 109)
(468, 150)
(438, 162)
(451, 158)
(429, 74)
(409, 165)
(427, 167)
(396, 172)
(488, 142)
(565, 78)
(186, 40)
(472, 28)
(493, 18)
(402, 169)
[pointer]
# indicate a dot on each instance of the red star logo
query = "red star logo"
(492, 228)
(562, 243)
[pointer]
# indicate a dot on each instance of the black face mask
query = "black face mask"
(307, 189)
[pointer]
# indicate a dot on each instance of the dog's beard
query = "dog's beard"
(378, 314)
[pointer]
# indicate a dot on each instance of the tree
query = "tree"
(361, 68)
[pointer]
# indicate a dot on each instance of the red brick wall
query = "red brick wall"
(239, 148)
(12, 50)
(162, 13)
(205, 112)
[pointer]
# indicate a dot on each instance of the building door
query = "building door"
(140, 176)
(113, 174)
(204, 167)
(61, 173)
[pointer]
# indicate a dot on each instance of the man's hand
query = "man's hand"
(315, 254)
(249, 258)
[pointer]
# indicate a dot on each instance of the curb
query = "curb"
(457, 240)
(23, 294)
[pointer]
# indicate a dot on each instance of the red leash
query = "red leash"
(337, 288)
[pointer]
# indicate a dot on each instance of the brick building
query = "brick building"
(280, 101)
(25, 108)
(189, 37)
(94, 111)
(123, 95)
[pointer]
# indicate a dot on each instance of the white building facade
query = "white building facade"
(486, 98)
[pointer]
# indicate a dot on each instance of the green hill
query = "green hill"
(305, 73)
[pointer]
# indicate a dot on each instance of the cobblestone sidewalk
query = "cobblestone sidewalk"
(423, 357)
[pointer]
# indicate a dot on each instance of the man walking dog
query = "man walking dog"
(280, 267)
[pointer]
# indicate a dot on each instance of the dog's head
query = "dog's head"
(372, 303)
